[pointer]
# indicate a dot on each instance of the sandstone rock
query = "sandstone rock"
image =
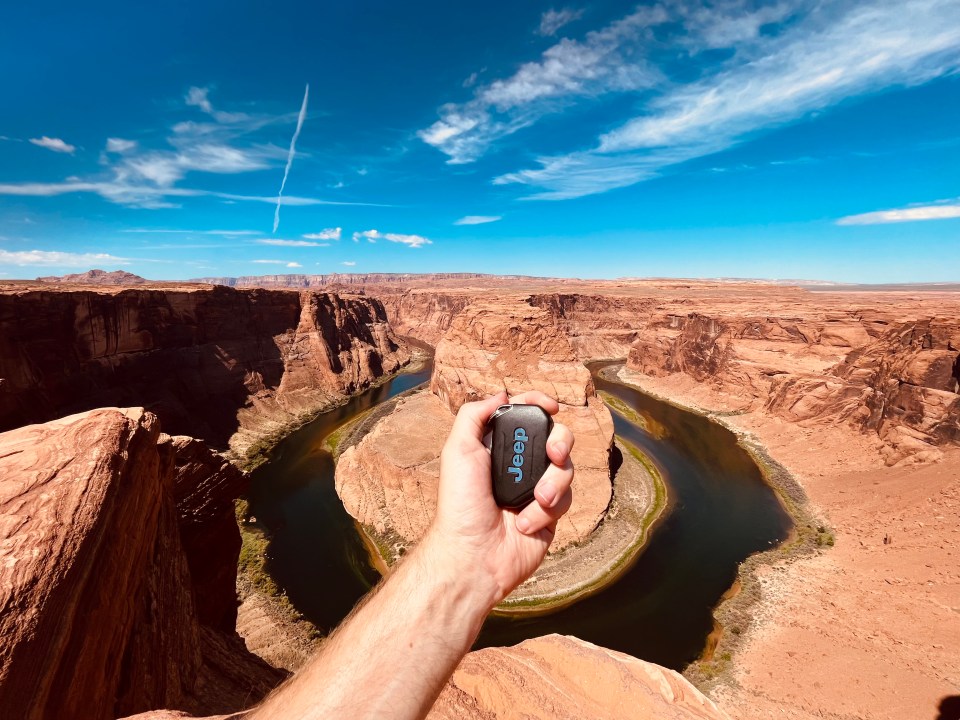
(99, 613)
(224, 365)
(389, 479)
(558, 677)
(96, 277)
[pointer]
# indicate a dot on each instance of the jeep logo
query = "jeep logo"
(519, 440)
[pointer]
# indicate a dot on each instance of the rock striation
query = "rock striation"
(900, 382)
(228, 366)
(104, 535)
(389, 480)
(559, 677)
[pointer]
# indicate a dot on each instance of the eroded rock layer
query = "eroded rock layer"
(101, 530)
(558, 677)
(224, 365)
(389, 479)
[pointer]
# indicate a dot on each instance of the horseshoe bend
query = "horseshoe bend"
(133, 413)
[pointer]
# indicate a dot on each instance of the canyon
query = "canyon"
(854, 392)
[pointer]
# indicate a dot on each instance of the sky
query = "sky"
(795, 139)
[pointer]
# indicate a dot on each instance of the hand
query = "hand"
(502, 547)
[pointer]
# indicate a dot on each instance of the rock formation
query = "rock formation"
(96, 277)
(388, 480)
(225, 365)
(102, 530)
(899, 382)
(558, 677)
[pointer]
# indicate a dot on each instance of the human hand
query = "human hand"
(499, 548)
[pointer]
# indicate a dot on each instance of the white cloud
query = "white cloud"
(325, 234)
(53, 258)
(478, 219)
(120, 146)
(552, 20)
(269, 262)
(835, 51)
(909, 214)
(197, 97)
(605, 61)
(372, 236)
(225, 233)
(139, 194)
(294, 265)
(55, 144)
(348, 263)
(292, 243)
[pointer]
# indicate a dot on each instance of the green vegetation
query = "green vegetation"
(253, 553)
(623, 409)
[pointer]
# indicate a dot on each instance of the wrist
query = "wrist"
(458, 577)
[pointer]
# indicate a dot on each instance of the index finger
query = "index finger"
(535, 397)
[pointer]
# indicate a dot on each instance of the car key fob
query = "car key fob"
(518, 452)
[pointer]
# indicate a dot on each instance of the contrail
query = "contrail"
(293, 151)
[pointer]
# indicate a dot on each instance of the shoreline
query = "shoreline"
(733, 614)
(633, 473)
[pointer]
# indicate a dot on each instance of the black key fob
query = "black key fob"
(518, 452)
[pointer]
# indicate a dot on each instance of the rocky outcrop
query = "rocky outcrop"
(99, 535)
(558, 677)
(902, 385)
(389, 480)
(224, 365)
(96, 277)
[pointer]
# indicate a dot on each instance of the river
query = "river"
(720, 511)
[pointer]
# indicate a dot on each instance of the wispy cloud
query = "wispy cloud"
(348, 263)
(291, 243)
(478, 219)
(294, 265)
(149, 177)
(54, 258)
(150, 196)
(325, 234)
(605, 61)
(200, 97)
(55, 144)
(291, 154)
(372, 236)
(269, 262)
(810, 57)
(941, 211)
(552, 20)
(225, 233)
(120, 146)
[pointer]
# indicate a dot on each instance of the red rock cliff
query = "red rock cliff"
(104, 545)
(220, 364)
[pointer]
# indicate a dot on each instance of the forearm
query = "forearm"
(391, 658)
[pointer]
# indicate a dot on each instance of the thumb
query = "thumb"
(472, 418)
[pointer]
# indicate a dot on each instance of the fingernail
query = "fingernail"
(523, 525)
(561, 447)
(548, 494)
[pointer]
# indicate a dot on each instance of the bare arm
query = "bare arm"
(392, 656)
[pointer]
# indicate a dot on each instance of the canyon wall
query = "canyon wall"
(389, 479)
(224, 365)
(896, 378)
(888, 364)
(118, 553)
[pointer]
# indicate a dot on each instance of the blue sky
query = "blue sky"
(790, 139)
